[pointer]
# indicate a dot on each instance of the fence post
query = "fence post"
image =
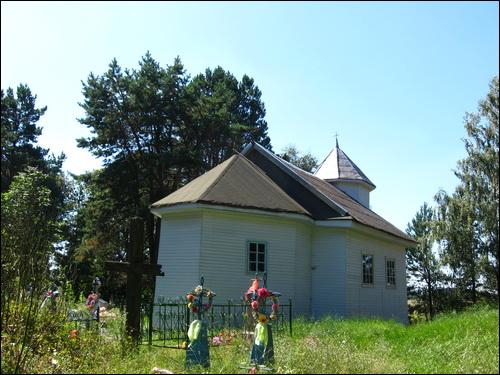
(187, 321)
(229, 312)
(164, 323)
(150, 316)
(223, 315)
(290, 315)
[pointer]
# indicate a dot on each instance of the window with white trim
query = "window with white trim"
(257, 257)
(367, 267)
(390, 270)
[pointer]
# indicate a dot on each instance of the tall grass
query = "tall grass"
(454, 343)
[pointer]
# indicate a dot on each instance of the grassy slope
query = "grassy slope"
(461, 343)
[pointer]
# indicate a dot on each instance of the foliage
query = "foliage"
(19, 136)
(19, 148)
(28, 231)
(457, 229)
(156, 128)
(479, 176)
(88, 244)
(45, 325)
(422, 263)
(307, 162)
(60, 347)
(224, 114)
(467, 223)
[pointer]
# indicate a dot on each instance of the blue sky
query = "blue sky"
(393, 79)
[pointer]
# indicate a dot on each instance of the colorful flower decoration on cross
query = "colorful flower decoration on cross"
(194, 299)
(197, 348)
(256, 297)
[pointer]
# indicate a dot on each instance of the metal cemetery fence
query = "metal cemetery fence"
(77, 317)
(165, 323)
(88, 316)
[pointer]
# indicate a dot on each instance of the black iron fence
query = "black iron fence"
(79, 317)
(166, 323)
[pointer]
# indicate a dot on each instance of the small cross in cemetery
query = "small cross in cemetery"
(197, 352)
(134, 269)
(262, 352)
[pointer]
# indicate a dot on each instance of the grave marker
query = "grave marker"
(262, 353)
(197, 351)
(134, 269)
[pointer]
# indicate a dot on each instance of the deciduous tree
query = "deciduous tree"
(307, 162)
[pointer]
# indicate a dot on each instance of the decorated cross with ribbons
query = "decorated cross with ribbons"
(197, 349)
(256, 297)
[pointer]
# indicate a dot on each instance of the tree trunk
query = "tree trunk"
(497, 271)
(154, 246)
(429, 299)
(474, 296)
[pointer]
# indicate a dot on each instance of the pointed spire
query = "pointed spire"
(338, 166)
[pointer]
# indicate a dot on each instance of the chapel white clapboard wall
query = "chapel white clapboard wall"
(319, 268)
(378, 299)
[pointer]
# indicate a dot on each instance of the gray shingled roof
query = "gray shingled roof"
(338, 166)
(237, 182)
(358, 212)
(317, 185)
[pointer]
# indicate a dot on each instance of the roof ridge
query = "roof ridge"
(321, 188)
(323, 181)
(307, 182)
(267, 178)
(216, 181)
(354, 200)
(311, 188)
(339, 190)
(348, 197)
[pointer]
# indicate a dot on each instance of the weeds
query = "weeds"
(453, 343)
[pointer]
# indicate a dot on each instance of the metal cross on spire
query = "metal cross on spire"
(337, 139)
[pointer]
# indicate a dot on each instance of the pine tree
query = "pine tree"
(422, 264)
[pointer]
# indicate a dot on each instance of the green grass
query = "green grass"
(453, 343)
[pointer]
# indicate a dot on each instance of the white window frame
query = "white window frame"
(388, 284)
(363, 269)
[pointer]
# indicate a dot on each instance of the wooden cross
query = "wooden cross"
(134, 269)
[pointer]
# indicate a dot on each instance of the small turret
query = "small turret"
(340, 171)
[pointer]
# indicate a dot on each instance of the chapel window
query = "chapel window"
(257, 257)
(390, 270)
(367, 267)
